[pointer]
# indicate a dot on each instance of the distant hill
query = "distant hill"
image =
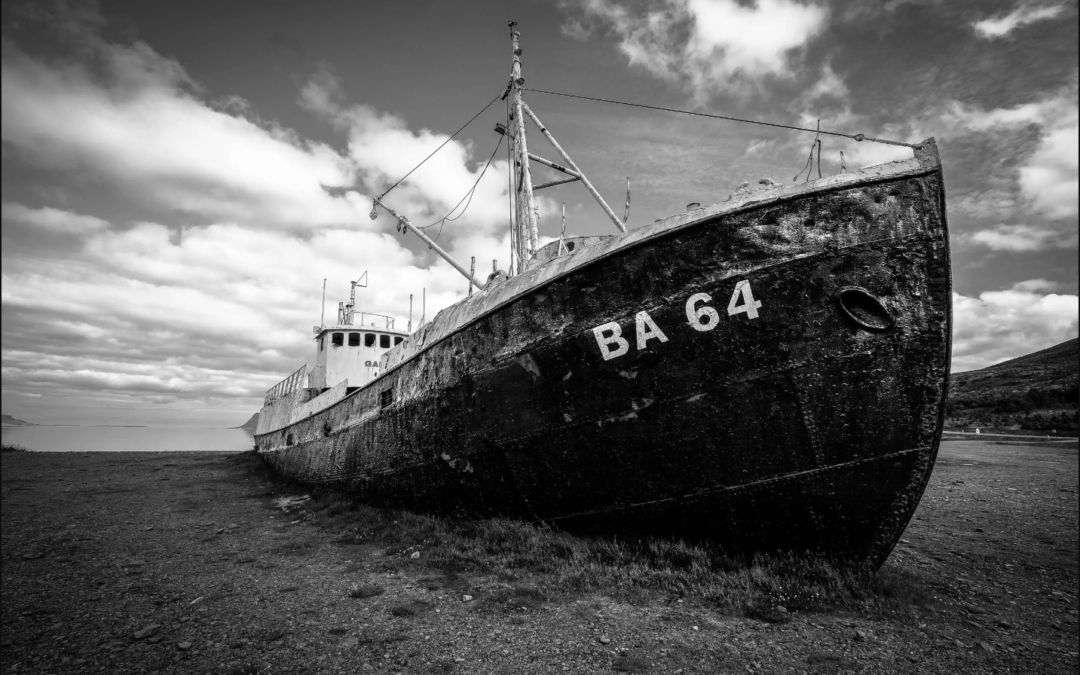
(9, 421)
(250, 424)
(1037, 391)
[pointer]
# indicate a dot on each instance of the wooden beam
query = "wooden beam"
(546, 162)
(553, 183)
(553, 165)
(431, 243)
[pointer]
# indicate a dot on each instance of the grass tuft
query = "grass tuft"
(409, 609)
(13, 447)
(537, 563)
(364, 592)
(629, 664)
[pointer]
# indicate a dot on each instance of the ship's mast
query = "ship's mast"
(526, 209)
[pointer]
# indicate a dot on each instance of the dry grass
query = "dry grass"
(546, 564)
(364, 592)
(13, 447)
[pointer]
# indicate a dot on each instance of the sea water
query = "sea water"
(128, 439)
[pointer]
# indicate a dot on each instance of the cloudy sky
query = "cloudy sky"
(179, 178)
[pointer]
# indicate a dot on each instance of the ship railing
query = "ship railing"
(388, 321)
(286, 386)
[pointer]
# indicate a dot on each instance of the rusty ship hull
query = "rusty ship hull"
(597, 390)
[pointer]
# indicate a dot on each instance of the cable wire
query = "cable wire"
(471, 119)
(468, 195)
(857, 137)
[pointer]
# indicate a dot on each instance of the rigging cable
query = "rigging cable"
(468, 195)
(857, 137)
(439, 148)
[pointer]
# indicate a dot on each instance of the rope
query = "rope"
(439, 148)
(468, 195)
(810, 160)
(856, 137)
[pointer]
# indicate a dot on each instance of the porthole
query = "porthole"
(866, 311)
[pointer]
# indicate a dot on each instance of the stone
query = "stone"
(146, 632)
(605, 640)
(183, 646)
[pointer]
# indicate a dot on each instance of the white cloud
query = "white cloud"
(1001, 325)
(985, 204)
(1036, 285)
(712, 45)
(1000, 26)
(1049, 178)
(384, 149)
(829, 85)
(53, 220)
(187, 317)
(211, 315)
(1046, 180)
(138, 126)
(1024, 238)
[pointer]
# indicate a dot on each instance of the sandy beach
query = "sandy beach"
(182, 563)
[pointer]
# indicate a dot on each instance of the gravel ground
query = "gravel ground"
(181, 563)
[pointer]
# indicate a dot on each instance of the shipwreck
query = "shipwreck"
(768, 372)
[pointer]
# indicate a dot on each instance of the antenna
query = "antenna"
(562, 233)
(322, 315)
(362, 283)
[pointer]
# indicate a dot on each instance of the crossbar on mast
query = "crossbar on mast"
(500, 129)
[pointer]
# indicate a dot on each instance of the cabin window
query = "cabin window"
(384, 341)
(337, 339)
(398, 340)
(386, 398)
(322, 342)
(354, 339)
(369, 339)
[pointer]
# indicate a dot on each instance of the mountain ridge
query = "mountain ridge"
(1036, 391)
(250, 424)
(9, 421)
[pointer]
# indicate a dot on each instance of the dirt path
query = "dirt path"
(177, 563)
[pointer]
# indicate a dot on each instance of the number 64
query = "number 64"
(705, 318)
